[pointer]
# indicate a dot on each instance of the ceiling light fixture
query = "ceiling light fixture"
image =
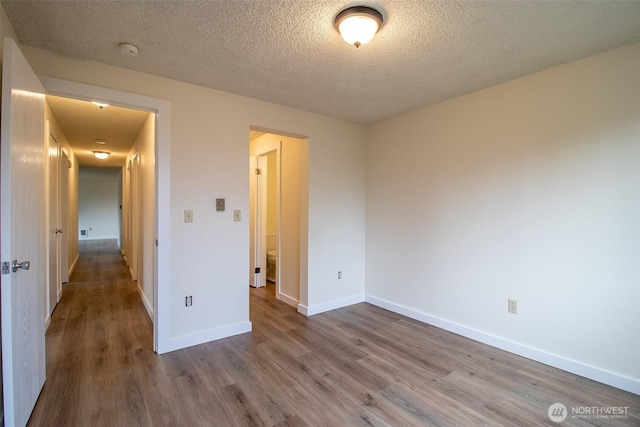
(100, 105)
(357, 25)
(101, 154)
(128, 49)
(101, 141)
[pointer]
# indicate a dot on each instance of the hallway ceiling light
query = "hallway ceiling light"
(101, 154)
(101, 141)
(357, 25)
(100, 105)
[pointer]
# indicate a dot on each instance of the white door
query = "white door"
(258, 235)
(54, 227)
(64, 220)
(22, 225)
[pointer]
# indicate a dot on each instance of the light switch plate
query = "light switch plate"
(220, 205)
(188, 215)
(237, 216)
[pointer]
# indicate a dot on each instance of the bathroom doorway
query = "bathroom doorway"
(278, 185)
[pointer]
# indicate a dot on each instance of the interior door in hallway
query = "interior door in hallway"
(64, 220)
(22, 200)
(258, 236)
(54, 226)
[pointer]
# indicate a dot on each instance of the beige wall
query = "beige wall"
(72, 190)
(272, 223)
(72, 208)
(527, 190)
(145, 233)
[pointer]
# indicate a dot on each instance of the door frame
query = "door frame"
(162, 109)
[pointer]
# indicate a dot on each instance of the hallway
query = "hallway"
(359, 365)
(98, 337)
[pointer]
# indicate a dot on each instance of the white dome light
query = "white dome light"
(101, 154)
(357, 25)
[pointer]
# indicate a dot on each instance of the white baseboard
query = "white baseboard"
(591, 372)
(330, 305)
(73, 265)
(190, 340)
(287, 299)
(98, 238)
(145, 301)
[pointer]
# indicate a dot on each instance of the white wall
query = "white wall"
(209, 158)
(99, 203)
(527, 190)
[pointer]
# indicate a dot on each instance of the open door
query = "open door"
(22, 225)
(64, 221)
(258, 239)
(54, 227)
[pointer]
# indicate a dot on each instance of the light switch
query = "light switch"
(188, 215)
(220, 205)
(237, 215)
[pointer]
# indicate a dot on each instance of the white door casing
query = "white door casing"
(22, 225)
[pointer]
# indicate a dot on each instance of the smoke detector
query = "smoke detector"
(128, 49)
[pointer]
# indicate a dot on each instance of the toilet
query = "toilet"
(272, 258)
(272, 265)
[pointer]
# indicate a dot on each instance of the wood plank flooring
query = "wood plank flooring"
(356, 366)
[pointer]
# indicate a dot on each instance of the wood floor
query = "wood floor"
(357, 366)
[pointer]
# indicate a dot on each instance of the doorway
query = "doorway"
(278, 188)
(156, 224)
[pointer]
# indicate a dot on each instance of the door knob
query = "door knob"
(15, 265)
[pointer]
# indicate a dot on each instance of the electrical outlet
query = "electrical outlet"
(188, 301)
(512, 306)
(340, 275)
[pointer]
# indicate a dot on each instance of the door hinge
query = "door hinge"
(257, 270)
(258, 171)
(6, 267)
(156, 242)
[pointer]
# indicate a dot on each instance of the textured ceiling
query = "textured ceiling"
(287, 51)
(83, 124)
